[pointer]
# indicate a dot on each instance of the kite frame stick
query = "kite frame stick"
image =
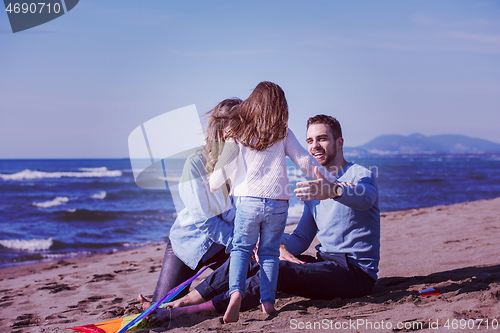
(170, 295)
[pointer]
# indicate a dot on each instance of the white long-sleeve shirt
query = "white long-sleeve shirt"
(263, 174)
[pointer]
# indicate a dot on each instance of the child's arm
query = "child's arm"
(303, 160)
(225, 167)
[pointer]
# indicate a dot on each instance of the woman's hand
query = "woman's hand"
(255, 250)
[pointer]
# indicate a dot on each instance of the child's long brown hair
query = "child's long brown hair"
(262, 119)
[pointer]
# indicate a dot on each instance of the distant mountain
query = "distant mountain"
(418, 144)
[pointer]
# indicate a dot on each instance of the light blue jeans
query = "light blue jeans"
(257, 217)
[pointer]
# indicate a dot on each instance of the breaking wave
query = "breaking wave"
(56, 202)
(27, 245)
(94, 169)
(100, 195)
(88, 173)
(46, 244)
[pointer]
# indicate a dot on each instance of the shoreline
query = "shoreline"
(292, 221)
(451, 248)
(72, 255)
(15, 268)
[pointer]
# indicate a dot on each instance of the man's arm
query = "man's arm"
(362, 196)
(301, 238)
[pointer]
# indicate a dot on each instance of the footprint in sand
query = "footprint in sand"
(26, 320)
(54, 287)
(101, 277)
(58, 318)
(90, 299)
(6, 301)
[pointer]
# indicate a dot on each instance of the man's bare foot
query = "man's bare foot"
(233, 309)
(144, 302)
(268, 308)
(192, 298)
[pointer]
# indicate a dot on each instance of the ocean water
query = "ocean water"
(52, 209)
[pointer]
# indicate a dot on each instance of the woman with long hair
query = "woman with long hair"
(203, 230)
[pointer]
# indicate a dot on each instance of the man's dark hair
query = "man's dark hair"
(329, 121)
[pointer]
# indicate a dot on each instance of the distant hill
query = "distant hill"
(418, 144)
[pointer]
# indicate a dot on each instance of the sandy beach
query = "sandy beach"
(452, 248)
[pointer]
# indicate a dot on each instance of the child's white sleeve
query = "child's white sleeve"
(225, 168)
(303, 160)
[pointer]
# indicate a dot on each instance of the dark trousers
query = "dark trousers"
(174, 272)
(326, 277)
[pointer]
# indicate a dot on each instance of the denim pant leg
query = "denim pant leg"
(325, 279)
(271, 231)
(216, 287)
(246, 234)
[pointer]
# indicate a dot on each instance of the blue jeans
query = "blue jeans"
(328, 276)
(257, 217)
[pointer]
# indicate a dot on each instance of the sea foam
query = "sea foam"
(94, 169)
(92, 172)
(100, 195)
(56, 202)
(27, 245)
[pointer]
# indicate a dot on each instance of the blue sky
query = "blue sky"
(77, 86)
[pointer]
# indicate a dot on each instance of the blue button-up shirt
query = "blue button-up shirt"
(205, 225)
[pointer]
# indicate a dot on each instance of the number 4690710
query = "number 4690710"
(471, 324)
(32, 8)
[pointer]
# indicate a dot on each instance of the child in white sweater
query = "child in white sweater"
(254, 159)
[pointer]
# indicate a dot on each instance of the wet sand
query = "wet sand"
(453, 249)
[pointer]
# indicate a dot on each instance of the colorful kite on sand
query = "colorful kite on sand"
(121, 325)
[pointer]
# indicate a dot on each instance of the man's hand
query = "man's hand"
(285, 255)
(318, 189)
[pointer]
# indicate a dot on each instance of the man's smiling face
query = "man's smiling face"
(321, 144)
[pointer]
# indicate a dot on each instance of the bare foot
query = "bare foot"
(233, 309)
(144, 302)
(268, 308)
(192, 298)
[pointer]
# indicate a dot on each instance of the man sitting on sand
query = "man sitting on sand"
(345, 218)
